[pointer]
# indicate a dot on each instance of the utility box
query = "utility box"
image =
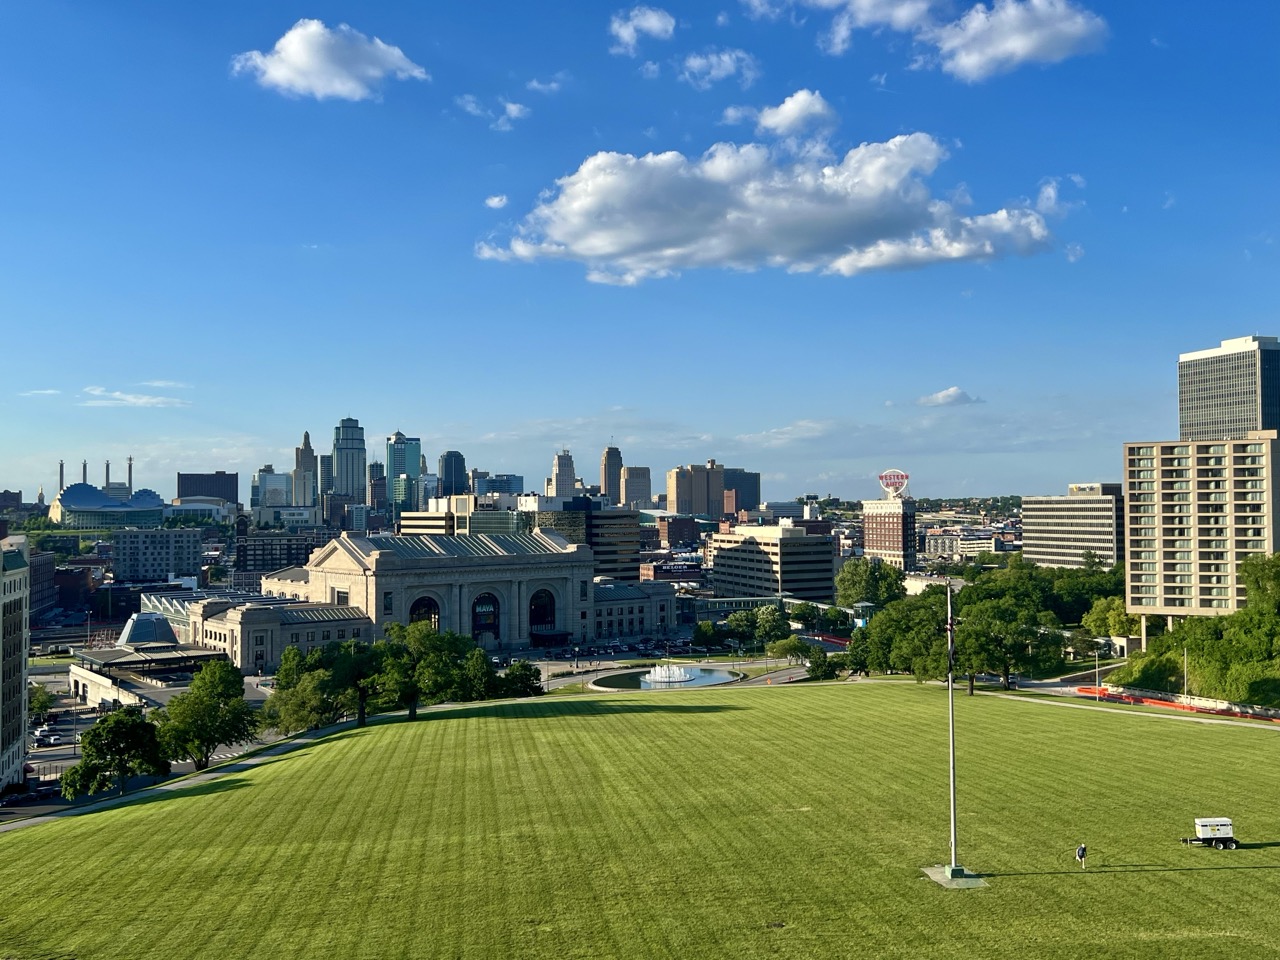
(1216, 832)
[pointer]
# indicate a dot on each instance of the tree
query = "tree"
(476, 680)
(806, 614)
(1001, 636)
(742, 624)
(213, 712)
(1260, 575)
(855, 654)
(771, 626)
(39, 700)
(355, 671)
(420, 664)
(821, 667)
(291, 668)
(306, 706)
(910, 635)
(121, 745)
(792, 648)
(522, 679)
(704, 633)
(863, 580)
(1107, 618)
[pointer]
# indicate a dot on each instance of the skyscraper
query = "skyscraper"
(223, 485)
(637, 488)
(349, 460)
(404, 456)
(377, 498)
(611, 474)
(325, 482)
(270, 489)
(744, 483)
(696, 489)
(563, 476)
(453, 473)
(1230, 390)
(306, 473)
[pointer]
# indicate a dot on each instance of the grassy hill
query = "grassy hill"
(739, 823)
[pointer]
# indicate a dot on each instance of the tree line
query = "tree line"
(1234, 657)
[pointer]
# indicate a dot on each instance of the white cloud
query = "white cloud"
(1170, 201)
(510, 111)
(650, 70)
(470, 104)
(950, 397)
(499, 120)
(496, 202)
(804, 108)
(313, 61)
(735, 115)
(626, 27)
(982, 42)
(701, 70)
(800, 430)
(1078, 180)
(102, 397)
(548, 86)
(1074, 252)
(163, 384)
(879, 79)
(629, 218)
(39, 393)
(987, 41)
(722, 19)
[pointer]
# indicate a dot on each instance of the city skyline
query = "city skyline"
(1019, 204)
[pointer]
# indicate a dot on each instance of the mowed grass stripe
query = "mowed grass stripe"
(785, 822)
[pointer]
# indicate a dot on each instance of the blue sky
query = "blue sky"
(815, 238)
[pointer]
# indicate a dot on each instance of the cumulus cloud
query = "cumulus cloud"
(1074, 252)
(312, 60)
(987, 41)
(950, 397)
(629, 218)
(981, 43)
(800, 111)
(702, 70)
(496, 202)
(102, 397)
(626, 27)
(650, 70)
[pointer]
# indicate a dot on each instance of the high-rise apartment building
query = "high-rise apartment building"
(142, 555)
(15, 638)
(696, 489)
(611, 474)
(637, 488)
(563, 476)
(1229, 390)
(1063, 531)
(1193, 512)
(306, 473)
(220, 484)
(349, 478)
(325, 482)
(453, 474)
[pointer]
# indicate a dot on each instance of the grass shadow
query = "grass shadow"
(1129, 868)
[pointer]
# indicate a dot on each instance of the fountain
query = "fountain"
(668, 673)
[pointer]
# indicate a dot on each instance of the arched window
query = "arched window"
(425, 608)
(542, 612)
(484, 619)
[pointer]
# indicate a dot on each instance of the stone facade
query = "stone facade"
(504, 591)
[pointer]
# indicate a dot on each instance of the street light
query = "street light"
(1097, 683)
(954, 870)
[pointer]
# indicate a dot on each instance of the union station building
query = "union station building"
(507, 591)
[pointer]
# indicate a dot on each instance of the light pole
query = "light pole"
(1184, 673)
(954, 870)
(1097, 683)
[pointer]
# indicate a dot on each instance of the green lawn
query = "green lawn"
(742, 823)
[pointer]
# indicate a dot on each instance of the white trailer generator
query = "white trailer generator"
(1214, 832)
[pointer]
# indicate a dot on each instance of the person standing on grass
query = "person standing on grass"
(1081, 852)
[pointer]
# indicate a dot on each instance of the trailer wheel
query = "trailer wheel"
(1218, 844)
(1231, 844)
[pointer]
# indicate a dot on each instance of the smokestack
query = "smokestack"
(62, 476)
(107, 482)
(131, 476)
(84, 471)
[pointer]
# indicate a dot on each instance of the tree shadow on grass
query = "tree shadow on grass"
(223, 784)
(531, 709)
